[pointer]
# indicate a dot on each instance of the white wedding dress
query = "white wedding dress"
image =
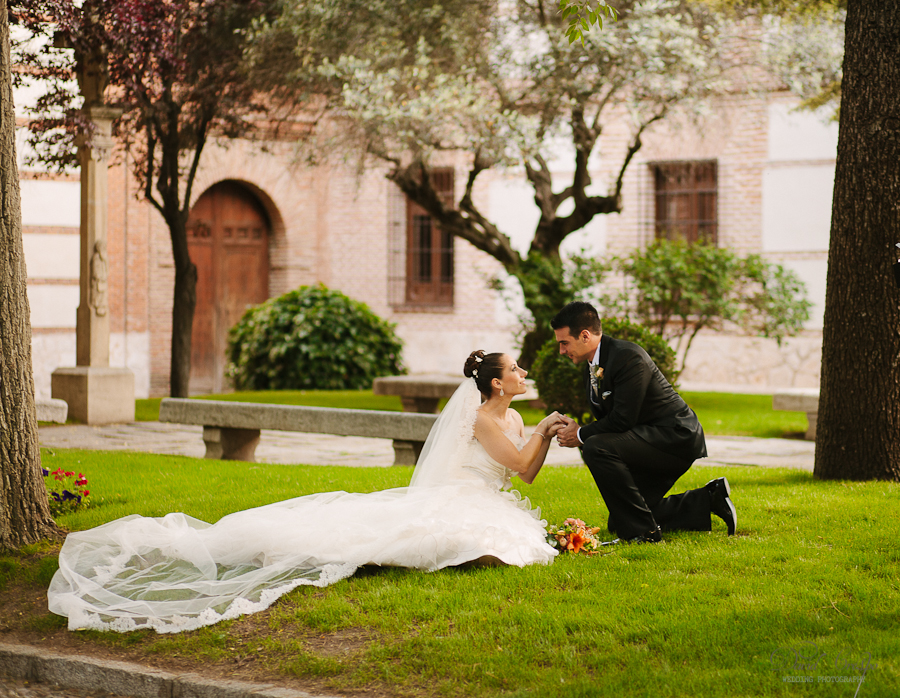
(177, 573)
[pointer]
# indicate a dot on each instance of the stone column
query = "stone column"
(95, 392)
(93, 309)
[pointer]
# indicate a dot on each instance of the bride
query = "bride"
(177, 573)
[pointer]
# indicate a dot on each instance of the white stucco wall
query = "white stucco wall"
(52, 255)
(797, 207)
(53, 307)
(798, 181)
(799, 134)
(50, 203)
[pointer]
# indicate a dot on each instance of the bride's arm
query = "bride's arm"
(502, 450)
(536, 465)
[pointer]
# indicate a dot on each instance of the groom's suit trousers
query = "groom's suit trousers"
(633, 477)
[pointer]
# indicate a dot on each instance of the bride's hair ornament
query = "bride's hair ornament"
(483, 368)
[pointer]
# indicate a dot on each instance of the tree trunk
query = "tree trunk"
(184, 303)
(858, 431)
(24, 509)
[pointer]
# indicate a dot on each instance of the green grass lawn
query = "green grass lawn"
(731, 414)
(807, 588)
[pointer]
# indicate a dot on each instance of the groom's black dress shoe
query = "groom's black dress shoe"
(720, 502)
(654, 536)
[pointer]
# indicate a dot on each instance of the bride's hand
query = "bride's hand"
(554, 428)
(548, 426)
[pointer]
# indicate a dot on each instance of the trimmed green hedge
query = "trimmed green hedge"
(312, 338)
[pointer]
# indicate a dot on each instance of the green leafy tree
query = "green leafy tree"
(584, 14)
(312, 338)
(497, 86)
(560, 383)
(802, 46)
(678, 289)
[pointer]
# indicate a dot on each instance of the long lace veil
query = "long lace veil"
(449, 439)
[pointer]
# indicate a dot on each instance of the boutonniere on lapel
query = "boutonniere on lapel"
(597, 372)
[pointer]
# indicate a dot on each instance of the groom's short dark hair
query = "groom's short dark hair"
(578, 316)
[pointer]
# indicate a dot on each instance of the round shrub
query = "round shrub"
(312, 338)
(559, 382)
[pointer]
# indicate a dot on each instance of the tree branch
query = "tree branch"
(468, 222)
(149, 167)
(633, 149)
(195, 162)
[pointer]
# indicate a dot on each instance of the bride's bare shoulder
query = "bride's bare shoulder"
(513, 417)
(483, 420)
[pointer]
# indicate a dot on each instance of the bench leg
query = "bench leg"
(231, 444)
(811, 431)
(407, 452)
(427, 405)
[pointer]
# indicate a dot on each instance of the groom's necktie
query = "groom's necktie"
(595, 388)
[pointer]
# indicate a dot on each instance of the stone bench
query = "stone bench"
(51, 410)
(423, 391)
(231, 429)
(799, 400)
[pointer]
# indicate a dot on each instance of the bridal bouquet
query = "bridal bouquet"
(71, 496)
(574, 536)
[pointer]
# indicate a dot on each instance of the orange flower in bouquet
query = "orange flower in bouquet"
(574, 536)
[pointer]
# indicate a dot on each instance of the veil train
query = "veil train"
(177, 573)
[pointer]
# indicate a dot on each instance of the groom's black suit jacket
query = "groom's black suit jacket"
(635, 396)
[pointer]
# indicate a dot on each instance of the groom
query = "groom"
(644, 438)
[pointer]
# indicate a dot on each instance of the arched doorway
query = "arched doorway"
(228, 238)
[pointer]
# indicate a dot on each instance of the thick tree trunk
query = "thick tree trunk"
(24, 509)
(858, 431)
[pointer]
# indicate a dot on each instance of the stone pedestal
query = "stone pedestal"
(223, 443)
(800, 400)
(51, 410)
(95, 394)
(407, 452)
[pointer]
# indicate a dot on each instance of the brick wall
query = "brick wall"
(331, 224)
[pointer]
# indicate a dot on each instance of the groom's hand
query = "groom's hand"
(568, 435)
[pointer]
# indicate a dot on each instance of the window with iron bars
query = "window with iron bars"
(686, 200)
(421, 275)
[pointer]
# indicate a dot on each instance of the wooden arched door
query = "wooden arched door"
(228, 237)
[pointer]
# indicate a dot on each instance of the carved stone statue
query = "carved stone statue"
(99, 274)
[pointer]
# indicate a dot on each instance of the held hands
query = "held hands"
(550, 425)
(567, 433)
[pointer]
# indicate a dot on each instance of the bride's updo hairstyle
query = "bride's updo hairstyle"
(483, 368)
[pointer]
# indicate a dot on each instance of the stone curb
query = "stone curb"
(126, 679)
